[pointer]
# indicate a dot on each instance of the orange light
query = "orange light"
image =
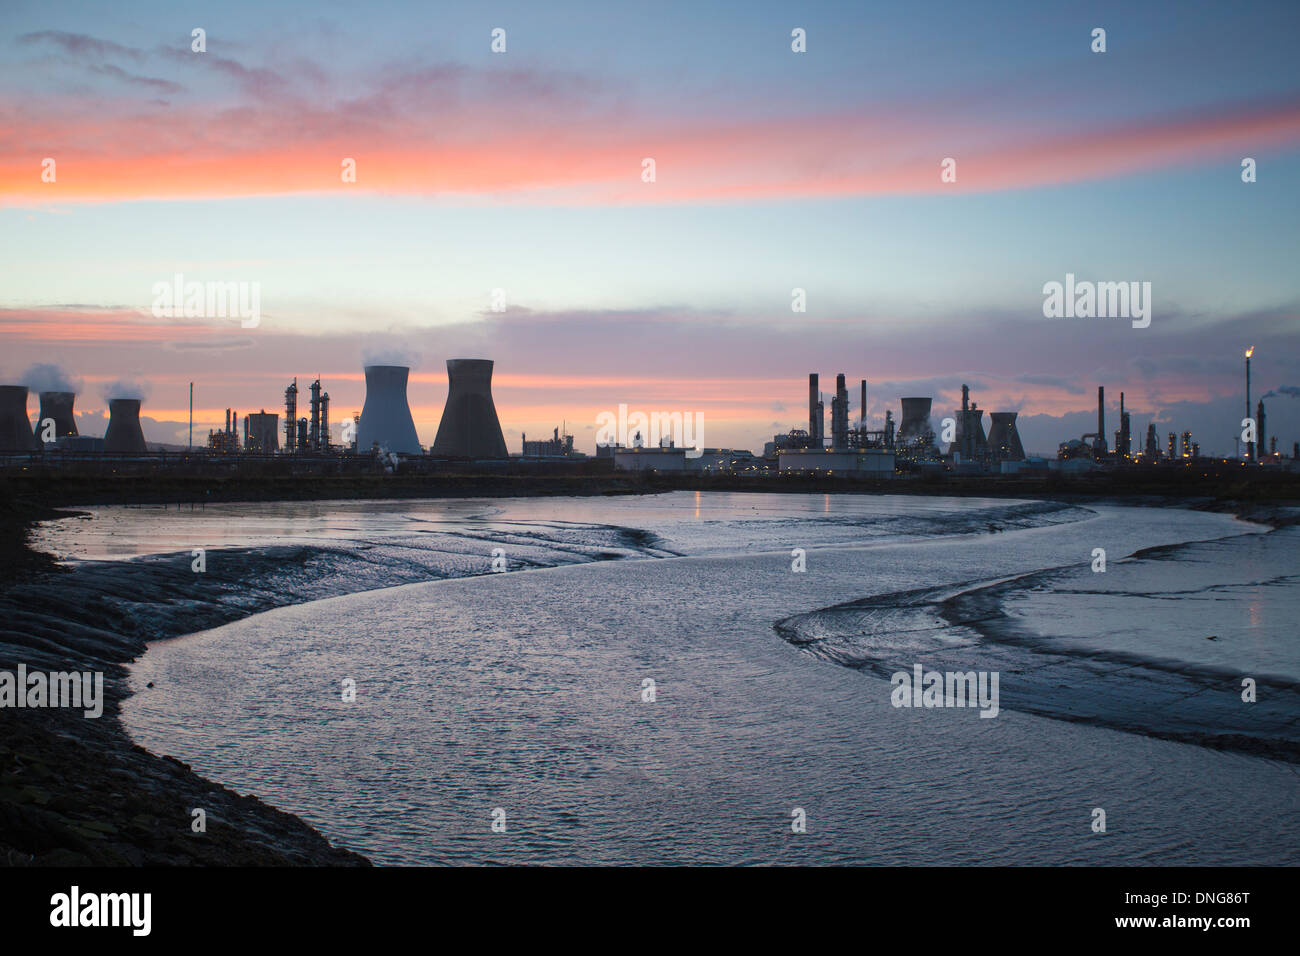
(1250, 351)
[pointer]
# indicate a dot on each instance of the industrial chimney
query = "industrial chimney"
(15, 427)
(469, 426)
(840, 415)
(969, 442)
(1260, 429)
(816, 413)
(386, 416)
(124, 435)
(57, 406)
(1099, 446)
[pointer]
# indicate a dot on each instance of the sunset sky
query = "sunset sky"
(775, 170)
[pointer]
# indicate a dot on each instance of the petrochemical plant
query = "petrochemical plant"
(382, 436)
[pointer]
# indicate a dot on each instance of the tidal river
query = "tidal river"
(654, 680)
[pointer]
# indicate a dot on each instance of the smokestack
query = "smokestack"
(1250, 446)
(124, 435)
(291, 417)
(15, 427)
(386, 416)
(840, 415)
(1259, 429)
(814, 411)
(862, 409)
(1101, 412)
(469, 427)
(58, 407)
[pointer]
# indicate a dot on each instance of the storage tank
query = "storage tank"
(15, 427)
(124, 435)
(469, 427)
(386, 416)
(57, 406)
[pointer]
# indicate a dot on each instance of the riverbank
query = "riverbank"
(75, 791)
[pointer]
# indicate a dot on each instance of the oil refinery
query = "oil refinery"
(381, 436)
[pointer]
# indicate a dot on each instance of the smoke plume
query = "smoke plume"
(50, 378)
(392, 355)
(126, 388)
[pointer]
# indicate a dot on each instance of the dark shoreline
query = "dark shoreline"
(75, 791)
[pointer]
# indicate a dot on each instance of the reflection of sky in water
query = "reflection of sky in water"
(521, 690)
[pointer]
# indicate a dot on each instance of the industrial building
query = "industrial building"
(557, 446)
(636, 458)
(469, 426)
(969, 443)
(727, 461)
(861, 462)
(262, 433)
(225, 441)
(469, 436)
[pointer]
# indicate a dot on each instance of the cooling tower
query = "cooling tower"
(469, 426)
(15, 427)
(916, 419)
(1004, 438)
(124, 435)
(58, 406)
(386, 417)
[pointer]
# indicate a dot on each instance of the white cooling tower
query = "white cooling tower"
(386, 417)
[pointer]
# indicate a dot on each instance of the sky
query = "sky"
(516, 179)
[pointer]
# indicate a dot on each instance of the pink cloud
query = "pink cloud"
(524, 137)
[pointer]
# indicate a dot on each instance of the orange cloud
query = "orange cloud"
(281, 148)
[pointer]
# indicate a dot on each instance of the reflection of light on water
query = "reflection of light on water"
(1254, 608)
(827, 503)
(697, 504)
